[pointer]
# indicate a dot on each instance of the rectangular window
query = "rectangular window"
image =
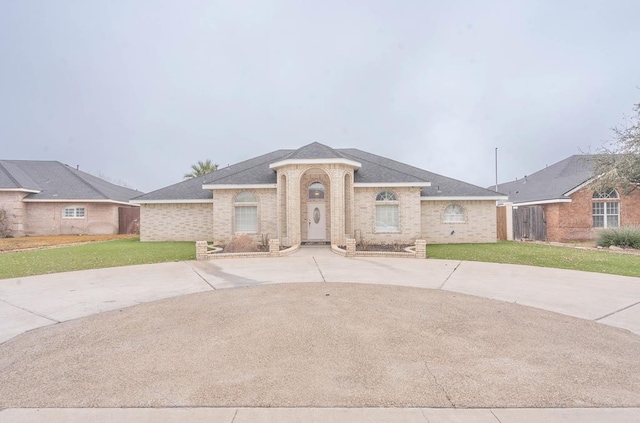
(387, 218)
(606, 215)
(73, 212)
(246, 219)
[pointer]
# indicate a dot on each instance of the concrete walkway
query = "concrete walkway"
(29, 303)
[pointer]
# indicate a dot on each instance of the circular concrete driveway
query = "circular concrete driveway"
(328, 344)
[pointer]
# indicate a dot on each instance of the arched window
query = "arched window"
(246, 213)
(316, 191)
(606, 209)
(454, 213)
(387, 212)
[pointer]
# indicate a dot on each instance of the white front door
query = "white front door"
(316, 221)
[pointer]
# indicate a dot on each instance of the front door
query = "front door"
(316, 221)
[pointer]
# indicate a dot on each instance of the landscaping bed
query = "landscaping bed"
(26, 243)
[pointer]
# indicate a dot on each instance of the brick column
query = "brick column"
(201, 250)
(274, 247)
(421, 248)
(351, 247)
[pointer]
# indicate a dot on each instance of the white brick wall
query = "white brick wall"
(223, 214)
(176, 222)
(480, 225)
(365, 212)
(11, 201)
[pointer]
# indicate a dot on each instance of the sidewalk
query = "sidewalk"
(321, 415)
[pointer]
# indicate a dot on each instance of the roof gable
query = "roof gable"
(552, 182)
(374, 170)
(56, 181)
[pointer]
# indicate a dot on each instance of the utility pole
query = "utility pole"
(496, 169)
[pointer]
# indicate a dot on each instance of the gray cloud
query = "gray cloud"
(140, 90)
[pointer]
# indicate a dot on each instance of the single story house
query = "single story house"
(320, 194)
(51, 198)
(559, 203)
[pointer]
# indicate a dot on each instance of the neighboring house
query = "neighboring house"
(559, 203)
(50, 198)
(320, 194)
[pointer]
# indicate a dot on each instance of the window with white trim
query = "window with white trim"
(246, 213)
(606, 214)
(73, 212)
(454, 213)
(387, 212)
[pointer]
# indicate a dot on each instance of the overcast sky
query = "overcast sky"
(137, 91)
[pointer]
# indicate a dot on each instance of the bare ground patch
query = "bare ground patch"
(27, 243)
(337, 345)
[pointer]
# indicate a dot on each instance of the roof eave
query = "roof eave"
(178, 201)
(391, 184)
(287, 162)
(31, 191)
(539, 202)
(465, 198)
(239, 186)
(73, 200)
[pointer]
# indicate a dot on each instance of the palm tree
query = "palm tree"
(201, 168)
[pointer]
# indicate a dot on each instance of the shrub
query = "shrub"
(626, 236)
(241, 244)
(5, 229)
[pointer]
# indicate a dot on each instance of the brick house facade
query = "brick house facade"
(318, 194)
(50, 198)
(573, 209)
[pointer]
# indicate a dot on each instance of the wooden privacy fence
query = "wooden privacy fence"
(128, 220)
(501, 220)
(529, 223)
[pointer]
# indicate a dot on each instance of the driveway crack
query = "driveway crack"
(30, 311)
(323, 279)
(424, 415)
(450, 274)
(617, 311)
(234, 416)
(435, 380)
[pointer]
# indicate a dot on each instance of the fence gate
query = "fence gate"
(129, 220)
(501, 220)
(529, 223)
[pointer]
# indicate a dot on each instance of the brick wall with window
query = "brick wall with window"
(56, 219)
(11, 201)
(575, 221)
(451, 222)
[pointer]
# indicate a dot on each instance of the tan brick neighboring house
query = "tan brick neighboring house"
(50, 198)
(320, 194)
(563, 203)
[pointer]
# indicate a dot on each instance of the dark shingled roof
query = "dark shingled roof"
(57, 181)
(552, 182)
(375, 169)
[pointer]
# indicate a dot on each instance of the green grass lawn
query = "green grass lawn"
(93, 256)
(540, 255)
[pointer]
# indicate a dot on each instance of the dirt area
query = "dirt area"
(26, 243)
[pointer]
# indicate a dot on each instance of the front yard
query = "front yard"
(130, 251)
(121, 252)
(540, 255)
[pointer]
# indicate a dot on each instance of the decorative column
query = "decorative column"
(336, 177)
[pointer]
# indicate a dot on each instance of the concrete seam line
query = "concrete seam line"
(450, 274)
(201, 277)
(494, 415)
(29, 311)
(617, 311)
(317, 266)
(234, 416)
(435, 380)
(424, 415)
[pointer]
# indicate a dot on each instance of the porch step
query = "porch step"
(314, 243)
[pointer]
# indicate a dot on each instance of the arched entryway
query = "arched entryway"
(315, 206)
